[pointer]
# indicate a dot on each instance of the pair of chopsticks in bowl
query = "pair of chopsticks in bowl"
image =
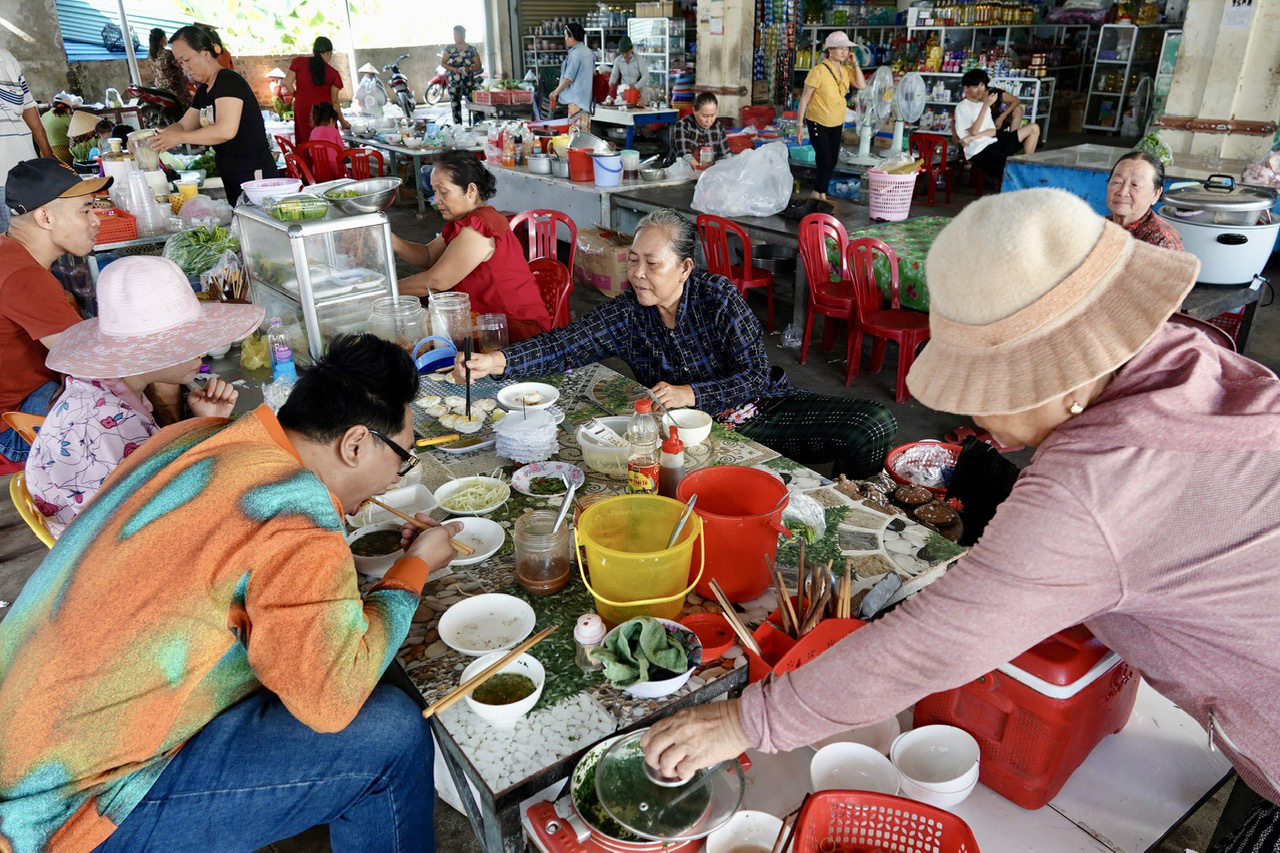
(462, 548)
(456, 694)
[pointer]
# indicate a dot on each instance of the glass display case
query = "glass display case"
(661, 42)
(321, 277)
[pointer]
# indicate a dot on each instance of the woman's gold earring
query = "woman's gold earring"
(1076, 408)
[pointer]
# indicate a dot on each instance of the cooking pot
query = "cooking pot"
(539, 164)
(1229, 228)
(560, 168)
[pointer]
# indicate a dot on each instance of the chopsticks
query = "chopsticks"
(462, 549)
(466, 355)
(744, 636)
(488, 672)
(844, 601)
(794, 823)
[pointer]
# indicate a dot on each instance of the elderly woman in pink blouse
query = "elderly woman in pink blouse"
(150, 329)
(1149, 512)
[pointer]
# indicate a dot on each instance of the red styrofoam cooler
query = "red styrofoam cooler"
(1038, 717)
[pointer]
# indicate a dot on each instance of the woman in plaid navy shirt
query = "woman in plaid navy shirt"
(693, 341)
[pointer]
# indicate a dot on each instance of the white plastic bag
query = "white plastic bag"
(756, 182)
(200, 208)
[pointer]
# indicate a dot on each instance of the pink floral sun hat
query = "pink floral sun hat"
(148, 319)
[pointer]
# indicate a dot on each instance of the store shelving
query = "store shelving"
(661, 42)
(1126, 53)
(1036, 94)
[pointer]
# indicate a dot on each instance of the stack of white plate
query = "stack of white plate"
(528, 436)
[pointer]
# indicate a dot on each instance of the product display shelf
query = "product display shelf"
(1129, 51)
(1036, 94)
(661, 41)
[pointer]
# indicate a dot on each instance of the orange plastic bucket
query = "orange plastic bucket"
(581, 166)
(740, 524)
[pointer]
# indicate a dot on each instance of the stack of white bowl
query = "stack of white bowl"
(937, 765)
(527, 436)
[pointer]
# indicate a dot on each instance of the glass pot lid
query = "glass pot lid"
(1220, 192)
(665, 812)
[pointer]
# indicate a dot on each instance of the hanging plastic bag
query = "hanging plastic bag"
(681, 170)
(756, 182)
(804, 516)
(226, 281)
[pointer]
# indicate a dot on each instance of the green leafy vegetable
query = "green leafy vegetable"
(197, 249)
(639, 650)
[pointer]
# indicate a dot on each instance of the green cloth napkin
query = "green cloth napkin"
(638, 645)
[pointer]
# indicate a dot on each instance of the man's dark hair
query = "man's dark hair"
(703, 99)
(576, 30)
(363, 379)
(1157, 168)
(975, 77)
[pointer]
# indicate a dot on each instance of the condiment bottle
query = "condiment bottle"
(588, 635)
(642, 461)
(542, 552)
(672, 464)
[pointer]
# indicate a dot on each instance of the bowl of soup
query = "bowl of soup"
(509, 695)
(375, 547)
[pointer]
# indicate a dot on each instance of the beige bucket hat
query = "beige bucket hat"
(1032, 295)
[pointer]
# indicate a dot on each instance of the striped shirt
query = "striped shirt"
(210, 566)
(15, 97)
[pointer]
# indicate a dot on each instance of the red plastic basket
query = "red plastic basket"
(116, 225)
(783, 654)
(904, 452)
(1230, 322)
(740, 142)
(855, 821)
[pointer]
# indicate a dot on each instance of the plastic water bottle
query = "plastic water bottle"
(642, 461)
(281, 349)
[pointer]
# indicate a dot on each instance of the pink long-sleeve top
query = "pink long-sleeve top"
(1153, 518)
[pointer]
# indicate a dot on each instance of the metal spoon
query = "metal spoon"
(568, 502)
(675, 534)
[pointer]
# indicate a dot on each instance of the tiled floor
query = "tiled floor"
(20, 553)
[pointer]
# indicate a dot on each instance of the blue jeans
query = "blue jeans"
(4, 212)
(255, 775)
(38, 402)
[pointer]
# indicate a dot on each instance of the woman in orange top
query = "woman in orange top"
(476, 252)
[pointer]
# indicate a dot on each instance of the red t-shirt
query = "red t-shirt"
(324, 162)
(503, 284)
(33, 305)
(306, 94)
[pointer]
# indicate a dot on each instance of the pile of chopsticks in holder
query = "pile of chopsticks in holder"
(228, 286)
(818, 596)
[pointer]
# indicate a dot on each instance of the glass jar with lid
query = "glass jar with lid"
(543, 557)
(399, 320)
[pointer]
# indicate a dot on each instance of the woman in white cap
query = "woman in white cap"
(1149, 512)
(150, 329)
(822, 106)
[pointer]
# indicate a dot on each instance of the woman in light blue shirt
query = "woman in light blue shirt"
(575, 79)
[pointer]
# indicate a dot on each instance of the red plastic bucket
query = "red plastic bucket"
(740, 525)
(581, 167)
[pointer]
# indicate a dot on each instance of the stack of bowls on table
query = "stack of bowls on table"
(937, 765)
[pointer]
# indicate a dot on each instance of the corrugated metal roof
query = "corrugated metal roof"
(82, 21)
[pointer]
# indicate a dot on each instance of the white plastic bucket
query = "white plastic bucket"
(608, 169)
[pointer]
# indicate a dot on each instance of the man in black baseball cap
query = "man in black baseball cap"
(51, 215)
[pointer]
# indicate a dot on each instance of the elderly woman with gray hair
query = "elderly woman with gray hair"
(693, 341)
(1148, 513)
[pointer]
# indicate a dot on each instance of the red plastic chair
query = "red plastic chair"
(356, 163)
(926, 147)
(831, 299)
(910, 329)
(295, 167)
(286, 145)
(541, 233)
(315, 153)
(555, 284)
(714, 232)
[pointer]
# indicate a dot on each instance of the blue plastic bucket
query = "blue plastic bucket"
(608, 169)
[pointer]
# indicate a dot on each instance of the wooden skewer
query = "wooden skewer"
(488, 672)
(802, 579)
(787, 606)
(780, 590)
(846, 592)
(462, 548)
(744, 636)
(795, 823)
(782, 831)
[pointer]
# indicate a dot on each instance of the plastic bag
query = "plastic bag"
(226, 281)
(1155, 145)
(805, 517)
(253, 353)
(754, 183)
(201, 207)
(1265, 172)
(681, 169)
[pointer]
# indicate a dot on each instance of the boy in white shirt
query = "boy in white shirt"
(988, 124)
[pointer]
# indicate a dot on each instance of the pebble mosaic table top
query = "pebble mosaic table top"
(575, 709)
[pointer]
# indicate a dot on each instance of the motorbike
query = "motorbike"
(160, 107)
(400, 85)
(438, 86)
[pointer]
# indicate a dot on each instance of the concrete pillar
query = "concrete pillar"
(1226, 70)
(724, 57)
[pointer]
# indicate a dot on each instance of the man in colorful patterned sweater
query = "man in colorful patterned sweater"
(193, 666)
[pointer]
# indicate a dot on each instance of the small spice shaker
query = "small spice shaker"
(588, 635)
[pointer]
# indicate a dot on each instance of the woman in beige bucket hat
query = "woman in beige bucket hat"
(1149, 512)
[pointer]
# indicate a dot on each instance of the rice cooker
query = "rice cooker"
(1230, 228)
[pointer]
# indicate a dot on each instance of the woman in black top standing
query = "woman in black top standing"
(224, 113)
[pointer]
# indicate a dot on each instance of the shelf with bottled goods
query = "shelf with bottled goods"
(1035, 93)
(1126, 53)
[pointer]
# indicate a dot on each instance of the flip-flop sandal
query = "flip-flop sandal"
(959, 434)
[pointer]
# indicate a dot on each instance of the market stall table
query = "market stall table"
(910, 241)
(587, 204)
(417, 155)
(629, 117)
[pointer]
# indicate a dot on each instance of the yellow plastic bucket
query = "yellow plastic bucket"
(633, 572)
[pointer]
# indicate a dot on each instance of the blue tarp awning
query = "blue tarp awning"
(82, 22)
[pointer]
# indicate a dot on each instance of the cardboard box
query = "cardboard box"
(602, 260)
(660, 9)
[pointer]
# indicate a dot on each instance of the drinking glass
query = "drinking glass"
(491, 332)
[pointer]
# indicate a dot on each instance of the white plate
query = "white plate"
(448, 489)
(482, 534)
(509, 397)
(486, 623)
(521, 479)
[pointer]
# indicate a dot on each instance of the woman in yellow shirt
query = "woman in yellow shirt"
(822, 106)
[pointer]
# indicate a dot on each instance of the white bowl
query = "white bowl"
(693, 426)
(914, 791)
(606, 458)
(408, 499)
(667, 686)
(411, 142)
(258, 191)
(879, 736)
(852, 767)
(218, 352)
(939, 759)
(509, 397)
(746, 830)
(374, 567)
(392, 138)
(492, 622)
(453, 486)
(505, 716)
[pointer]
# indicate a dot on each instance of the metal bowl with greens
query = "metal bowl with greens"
(372, 195)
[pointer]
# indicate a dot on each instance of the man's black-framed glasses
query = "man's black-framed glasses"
(409, 461)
